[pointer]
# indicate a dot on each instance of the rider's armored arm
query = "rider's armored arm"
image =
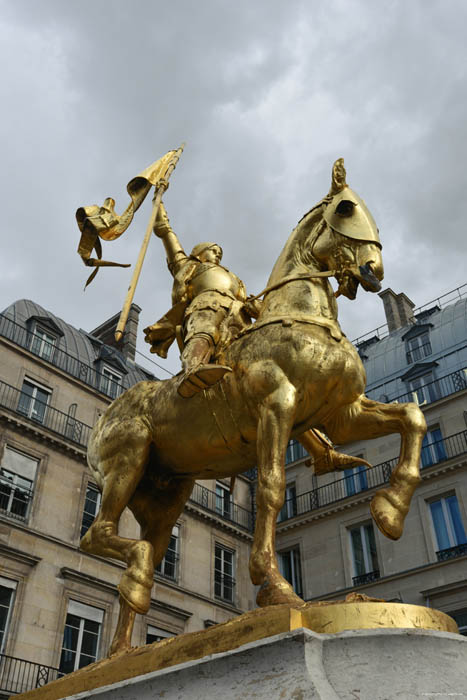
(176, 256)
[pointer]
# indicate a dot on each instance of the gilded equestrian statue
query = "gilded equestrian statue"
(292, 371)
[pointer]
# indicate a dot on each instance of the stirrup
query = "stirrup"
(202, 377)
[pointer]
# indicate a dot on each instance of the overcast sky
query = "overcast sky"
(267, 95)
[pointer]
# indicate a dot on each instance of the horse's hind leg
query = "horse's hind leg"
(120, 469)
(365, 420)
(156, 510)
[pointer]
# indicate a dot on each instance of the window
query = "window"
(169, 564)
(295, 451)
(290, 568)
(224, 570)
(7, 594)
(289, 509)
(448, 526)
(356, 479)
(433, 447)
(81, 636)
(33, 400)
(460, 616)
(17, 475)
(364, 555)
(155, 634)
(43, 343)
(224, 500)
(110, 382)
(91, 506)
(425, 389)
(417, 348)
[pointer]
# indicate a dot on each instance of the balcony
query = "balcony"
(209, 501)
(51, 419)
(59, 358)
(19, 676)
(365, 578)
(429, 392)
(438, 450)
(459, 550)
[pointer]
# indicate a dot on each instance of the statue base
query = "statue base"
(325, 651)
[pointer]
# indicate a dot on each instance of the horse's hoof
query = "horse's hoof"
(136, 593)
(277, 594)
(388, 517)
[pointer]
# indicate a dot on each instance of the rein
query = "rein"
(293, 278)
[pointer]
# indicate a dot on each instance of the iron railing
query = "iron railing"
(429, 392)
(458, 551)
(19, 675)
(210, 501)
(365, 578)
(59, 358)
(50, 418)
(419, 353)
(433, 452)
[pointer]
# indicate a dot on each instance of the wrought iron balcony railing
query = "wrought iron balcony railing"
(458, 551)
(433, 452)
(47, 417)
(59, 358)
(429, 392)
(210, 501)
(365, 578)
(19, 675)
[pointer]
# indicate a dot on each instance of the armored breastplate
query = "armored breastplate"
(209, 276)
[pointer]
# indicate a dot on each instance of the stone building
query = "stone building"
(58, 605)
(327, 543)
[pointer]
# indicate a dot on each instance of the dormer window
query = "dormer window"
(110, 382)
(417, 343)
(43, 344)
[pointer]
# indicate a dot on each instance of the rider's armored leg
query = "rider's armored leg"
(197, 373)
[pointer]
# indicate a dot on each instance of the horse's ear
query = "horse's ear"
(338, 177)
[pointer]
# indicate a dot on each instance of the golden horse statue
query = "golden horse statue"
(293, 370)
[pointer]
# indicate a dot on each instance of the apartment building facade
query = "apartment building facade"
(58, 605)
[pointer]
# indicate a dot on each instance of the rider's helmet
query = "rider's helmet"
(200, 247)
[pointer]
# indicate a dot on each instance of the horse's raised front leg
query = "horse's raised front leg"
(275, 423)
(365, 420)
(120, 462)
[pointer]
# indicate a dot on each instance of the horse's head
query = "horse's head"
(348, 239)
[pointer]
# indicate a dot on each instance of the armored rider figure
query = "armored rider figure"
(205, 296)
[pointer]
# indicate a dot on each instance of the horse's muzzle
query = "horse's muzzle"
(367, 279)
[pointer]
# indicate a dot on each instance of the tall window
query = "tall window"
(364, 555)
(91, 506)
(224, 500)
(169, 564)
(294, 451)
(7, 593)
(417, 348)
(81, 636)
(425, 389)
(289, 509)
(356, 479)
(460, 616)
(290, 568)
(110, 382)
(33, 400)
(43, 344)
(224, 572)
(433, 447)
(156, 634)
(447, 524)
(17, 474)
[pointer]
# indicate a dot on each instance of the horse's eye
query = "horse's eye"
(345, 208)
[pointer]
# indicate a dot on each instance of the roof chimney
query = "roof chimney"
(127, 344)
(398, 309)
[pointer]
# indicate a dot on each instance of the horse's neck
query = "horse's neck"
(309, 297)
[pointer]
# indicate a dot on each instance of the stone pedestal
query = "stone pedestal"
(304, 665)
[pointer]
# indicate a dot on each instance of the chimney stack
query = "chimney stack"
(398, 309)
(127, 344)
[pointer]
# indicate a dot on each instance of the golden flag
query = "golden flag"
(102, 222)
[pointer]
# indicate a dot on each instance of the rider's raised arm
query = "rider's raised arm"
(176, 256)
